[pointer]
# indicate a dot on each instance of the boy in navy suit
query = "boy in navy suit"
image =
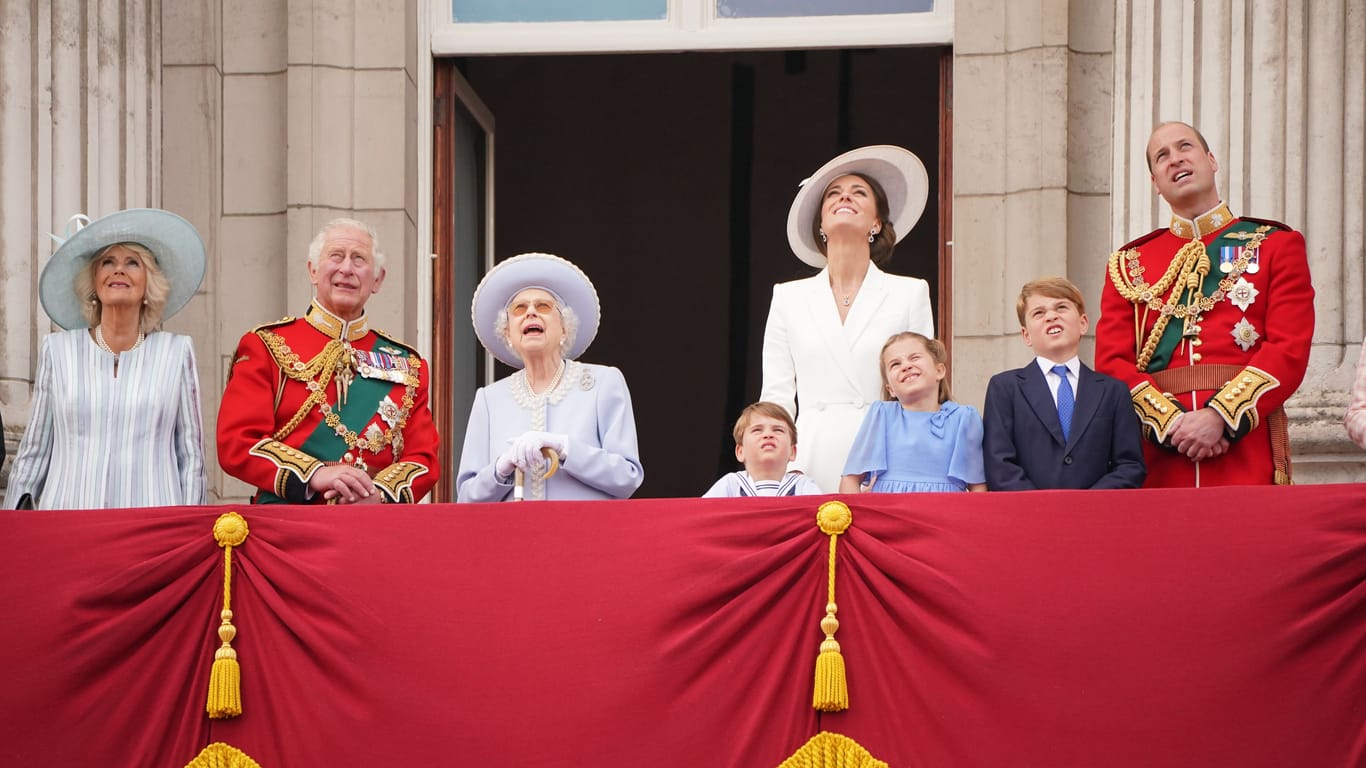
(1056, 423)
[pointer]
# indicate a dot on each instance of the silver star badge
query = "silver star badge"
(1242, 294)
(388, 411)
(1245, 335)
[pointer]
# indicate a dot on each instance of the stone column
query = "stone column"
(1031, 154)
(80, 106)
(1279, 90)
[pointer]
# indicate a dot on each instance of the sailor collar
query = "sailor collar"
(334, 327)
(1209, 222)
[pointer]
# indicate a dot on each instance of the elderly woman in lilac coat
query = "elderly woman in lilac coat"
(538, 313)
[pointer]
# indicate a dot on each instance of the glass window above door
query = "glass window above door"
(474, 27)
(738, 9)
(557, 10)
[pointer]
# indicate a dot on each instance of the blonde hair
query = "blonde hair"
(1050, 287)
(154, 296)
(763, 408)
(937, 351)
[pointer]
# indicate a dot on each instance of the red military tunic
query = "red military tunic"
(304, 393)
(1239, 342)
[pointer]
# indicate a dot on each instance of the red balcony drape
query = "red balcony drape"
(1125, 628)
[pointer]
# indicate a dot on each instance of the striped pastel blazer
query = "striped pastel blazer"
(100, 441)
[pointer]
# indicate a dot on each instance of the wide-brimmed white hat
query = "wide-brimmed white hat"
(533, 270)
(174, 242)
(900, 173)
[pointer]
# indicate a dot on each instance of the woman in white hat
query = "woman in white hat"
(824, 333)
(539, 312)
(116, 401)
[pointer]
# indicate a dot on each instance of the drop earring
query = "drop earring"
(872, 235)
(823, 238)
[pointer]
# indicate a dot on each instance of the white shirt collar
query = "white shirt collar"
(1073, 365)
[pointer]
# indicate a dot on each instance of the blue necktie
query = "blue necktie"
(1065, 400)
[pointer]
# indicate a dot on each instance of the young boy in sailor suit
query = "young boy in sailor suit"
(765, 441)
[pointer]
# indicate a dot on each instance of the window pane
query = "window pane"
(753, 8)
(557, 10)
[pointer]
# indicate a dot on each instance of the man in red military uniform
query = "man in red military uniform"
(323, 408)
(1209, 323)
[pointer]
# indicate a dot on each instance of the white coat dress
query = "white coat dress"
(826, 373)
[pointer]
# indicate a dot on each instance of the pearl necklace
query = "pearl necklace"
(555, 382)
(99, 341)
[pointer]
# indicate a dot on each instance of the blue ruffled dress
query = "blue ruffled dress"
(918, 451)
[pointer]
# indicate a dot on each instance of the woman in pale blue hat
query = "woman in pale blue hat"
(538, 313)
(116, 418)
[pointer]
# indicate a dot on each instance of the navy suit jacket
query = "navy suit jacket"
(1022, 443)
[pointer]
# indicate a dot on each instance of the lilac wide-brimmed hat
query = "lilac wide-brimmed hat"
(533, 270)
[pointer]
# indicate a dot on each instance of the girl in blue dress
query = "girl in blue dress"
(916, 440)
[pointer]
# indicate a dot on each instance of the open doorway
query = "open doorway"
(667, 178)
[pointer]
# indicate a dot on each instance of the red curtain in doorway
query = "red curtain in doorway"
(1125, 628)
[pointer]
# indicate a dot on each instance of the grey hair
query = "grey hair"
(154, 295)
(315, 248)
(568, 317)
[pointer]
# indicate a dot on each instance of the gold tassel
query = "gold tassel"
(220, 755)
(832, 750)
(831, 693)
(225, 680)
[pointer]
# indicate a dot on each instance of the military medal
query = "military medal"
(385, 365)
(1227, 255)
(1252, 263)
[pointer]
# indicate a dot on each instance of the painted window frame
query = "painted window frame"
(691, 25)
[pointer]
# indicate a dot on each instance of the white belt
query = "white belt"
(821, 405)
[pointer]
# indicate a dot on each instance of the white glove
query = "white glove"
(504, 465)
(527, 449)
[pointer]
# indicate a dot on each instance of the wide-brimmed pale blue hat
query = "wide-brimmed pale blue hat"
(898, 170)
(176, 244)
(533, 270)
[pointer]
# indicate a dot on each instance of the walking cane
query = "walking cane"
(518, 478)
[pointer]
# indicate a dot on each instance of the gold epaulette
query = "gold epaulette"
(1267, 222)
(395, 340)
(288, 460)
(1141, 239)
(1238, 397)
(286, 320)
(1156, 411)
(396, 480)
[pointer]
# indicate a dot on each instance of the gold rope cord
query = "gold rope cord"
(324, 365)
(225, 678)
(831, 692)
(1186, 274)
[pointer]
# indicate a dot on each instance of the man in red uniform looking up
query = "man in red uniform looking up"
(324, 408)
(1209, 322)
